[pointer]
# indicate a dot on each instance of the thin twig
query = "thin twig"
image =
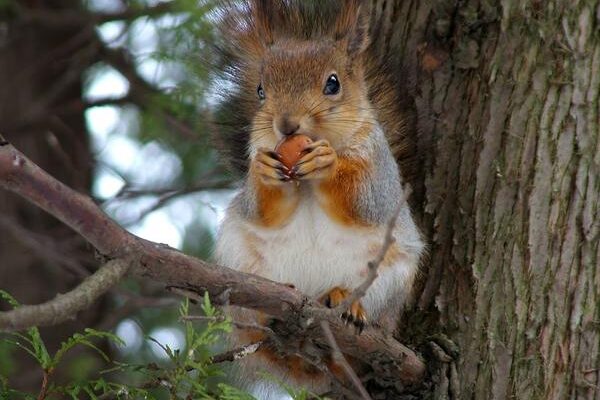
(208, 184)
(43, 246)
(166, 198)
(221, 318)
(339, 358)
(318, 363)
(133, 304)
(374, 264)
(141, 91)
(45, 381)
(62, 18)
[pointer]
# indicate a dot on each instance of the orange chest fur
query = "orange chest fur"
(337, 196)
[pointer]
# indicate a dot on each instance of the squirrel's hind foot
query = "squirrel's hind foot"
(356, 314)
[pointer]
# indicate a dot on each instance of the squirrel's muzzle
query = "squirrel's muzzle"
(287, 125)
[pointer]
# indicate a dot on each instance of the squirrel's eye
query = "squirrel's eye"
(261, 92)
(332, 86)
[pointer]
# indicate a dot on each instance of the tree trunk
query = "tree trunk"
(508, 96)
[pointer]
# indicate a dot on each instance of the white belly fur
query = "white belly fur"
(315, 254)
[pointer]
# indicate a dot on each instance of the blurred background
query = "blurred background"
(113, 98)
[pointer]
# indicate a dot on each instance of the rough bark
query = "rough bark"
(507, 93)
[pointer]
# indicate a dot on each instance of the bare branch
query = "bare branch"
(316, 361)
(339, 358)
(82, 105)
(43, 246)
(64, 307)
(161, 263)
(165, 196)
(143, 92)
(240, 325)
(62, 18)
(134, 303)
(44, 388)
(208, 184)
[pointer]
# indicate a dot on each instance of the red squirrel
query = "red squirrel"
(317, 224)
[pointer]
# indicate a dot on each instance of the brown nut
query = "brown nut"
(291, 148)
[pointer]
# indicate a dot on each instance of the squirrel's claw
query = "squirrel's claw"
(360, 322)
(355, 314)
(318, 163)
(270, 169)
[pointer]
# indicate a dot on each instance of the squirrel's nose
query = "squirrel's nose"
(286, 125)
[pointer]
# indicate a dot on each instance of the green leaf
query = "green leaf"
(84, 339)
(38, 348)
(9, 298)
(7, 364)
(207, 307)
(162, 346)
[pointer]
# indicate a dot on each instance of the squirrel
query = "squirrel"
(309, 67)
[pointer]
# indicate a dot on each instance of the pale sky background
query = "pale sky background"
(145, 165)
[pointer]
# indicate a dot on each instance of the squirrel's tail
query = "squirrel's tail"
(395, 108)
(304, 19)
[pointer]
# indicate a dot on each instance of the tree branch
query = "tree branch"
(339, 358)
(44, 247)
(64, 307)
(237, 324)
(61, 18)
(300, 315)
(142, 92)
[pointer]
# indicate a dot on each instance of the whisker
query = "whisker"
(366, 120)
(320, 112)
(312, 108)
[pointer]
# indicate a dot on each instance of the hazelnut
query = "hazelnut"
(292, 148)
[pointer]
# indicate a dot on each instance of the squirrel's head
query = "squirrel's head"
(304, 69)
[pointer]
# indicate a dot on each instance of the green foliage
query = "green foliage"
(32, 342)
(185, 376)
(188, 374)
(176, 112)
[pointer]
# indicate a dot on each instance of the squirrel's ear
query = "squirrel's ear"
(262, 15)
(351, 26)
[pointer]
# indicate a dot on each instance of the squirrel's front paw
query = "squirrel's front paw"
(319, 162)
(269, 168)
(356, 314)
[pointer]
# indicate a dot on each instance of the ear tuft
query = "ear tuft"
(352, 26)
(263, 16)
